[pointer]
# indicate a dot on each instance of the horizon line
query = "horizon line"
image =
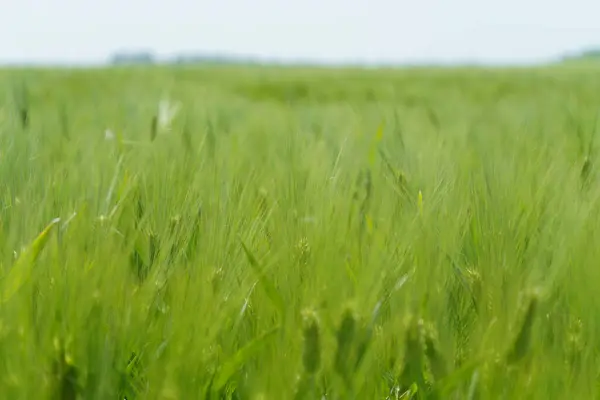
(124, 57)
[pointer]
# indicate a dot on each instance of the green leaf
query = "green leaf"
(238, 360)
(21, 270)
(375, 143)
(461, 375)
(265, 282)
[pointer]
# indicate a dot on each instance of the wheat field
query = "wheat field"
(298, 233)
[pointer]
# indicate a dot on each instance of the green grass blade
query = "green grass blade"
(237, 361)
(22, 268)
(268, 286)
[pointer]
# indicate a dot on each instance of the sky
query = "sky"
(370, 31)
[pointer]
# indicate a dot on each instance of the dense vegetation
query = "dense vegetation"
(296, 233)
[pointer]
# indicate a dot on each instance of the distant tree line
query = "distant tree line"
(590, 54)
(595, 53)
(148, 58)
(127, 58)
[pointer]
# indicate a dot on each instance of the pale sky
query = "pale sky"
(507, 31)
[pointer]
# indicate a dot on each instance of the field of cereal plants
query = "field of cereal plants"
(279, 233)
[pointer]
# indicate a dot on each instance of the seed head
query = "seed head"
(522, 343)
(312, 346)
(303, 251)
(345, 339)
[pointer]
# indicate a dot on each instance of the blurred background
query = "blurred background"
(364, 32)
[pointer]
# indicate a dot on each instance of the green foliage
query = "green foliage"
(280, 233)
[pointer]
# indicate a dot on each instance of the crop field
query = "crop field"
(297, 233)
